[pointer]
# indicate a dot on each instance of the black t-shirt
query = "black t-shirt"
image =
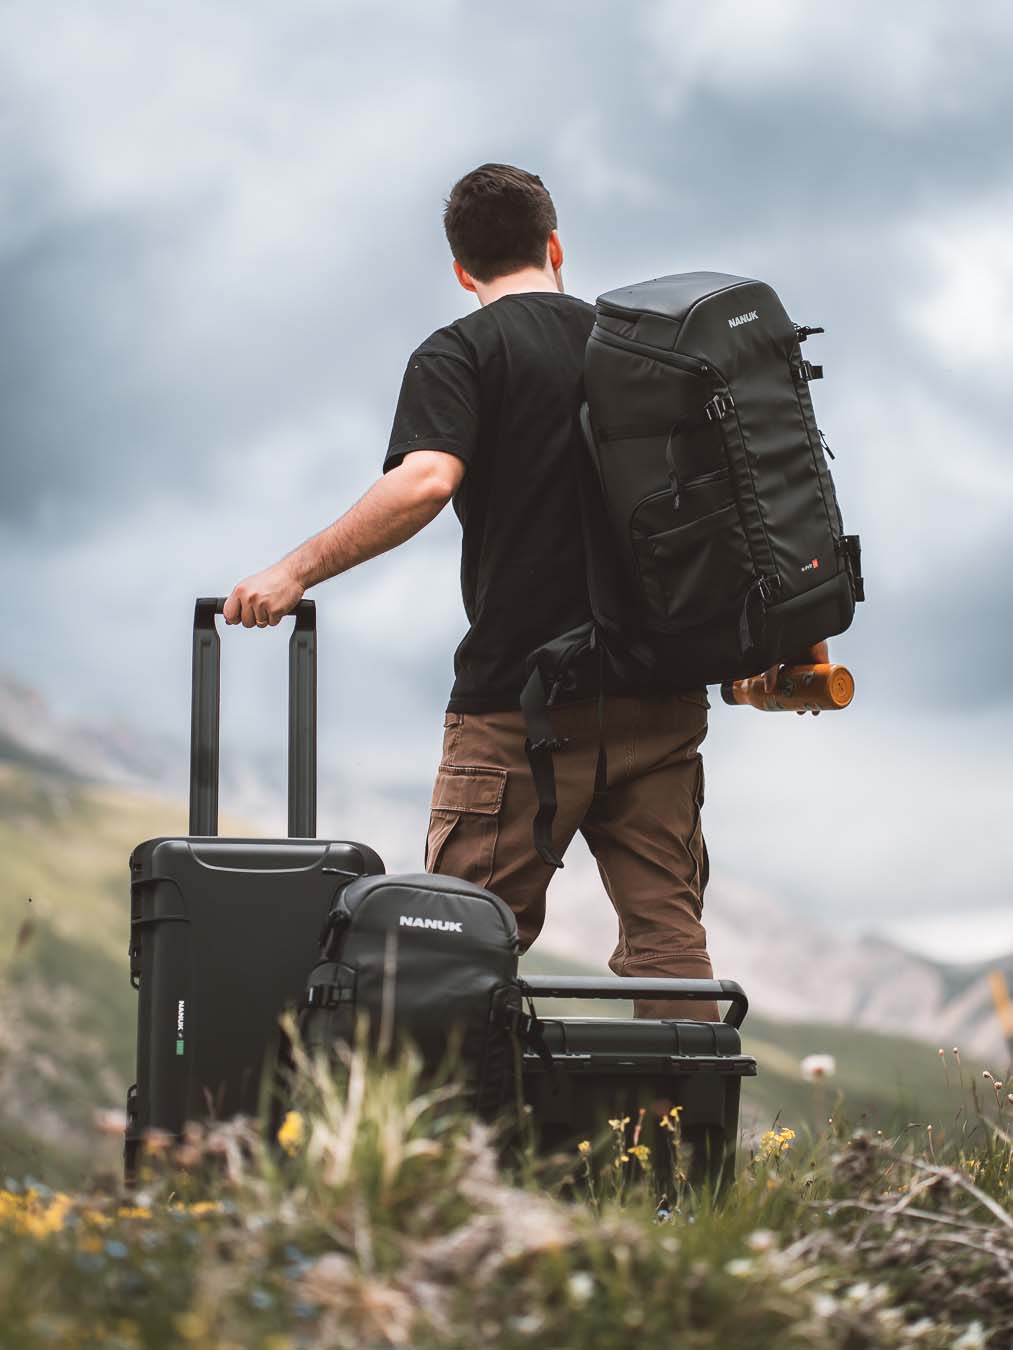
(501, 389)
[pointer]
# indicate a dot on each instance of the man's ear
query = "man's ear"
(555, 252)
(465, 278)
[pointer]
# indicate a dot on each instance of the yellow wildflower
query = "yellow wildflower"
(641, 1152)
(775, 1142)
(191, 1326)
(30, 1215)
(584, 1147)
(292, 1132)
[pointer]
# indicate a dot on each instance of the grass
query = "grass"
(391, 1218)
(884, 1221)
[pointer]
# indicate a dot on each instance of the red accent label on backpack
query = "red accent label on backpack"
(811, 566)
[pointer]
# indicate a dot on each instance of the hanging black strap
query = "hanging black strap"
(560, 656)
(601, 590)
(539, 746)
(606, 626)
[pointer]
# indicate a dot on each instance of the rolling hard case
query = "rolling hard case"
(223, 931)
(596, 1069)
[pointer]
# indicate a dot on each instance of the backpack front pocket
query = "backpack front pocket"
(696, 571)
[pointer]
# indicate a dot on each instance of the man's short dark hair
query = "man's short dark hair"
(498, 220)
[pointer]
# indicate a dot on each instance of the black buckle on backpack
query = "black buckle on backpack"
(527, 1027)
(769, 587)
(562, 684)
(719, 406)
(802, 331)
(327, 995)
(807, 371)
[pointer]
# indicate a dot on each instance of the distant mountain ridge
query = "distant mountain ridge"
(792, 969)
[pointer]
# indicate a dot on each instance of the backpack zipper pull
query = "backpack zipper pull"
(826, 447)
(766, 587)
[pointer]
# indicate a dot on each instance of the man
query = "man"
(488, 416)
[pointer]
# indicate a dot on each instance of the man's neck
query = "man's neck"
(518, 283)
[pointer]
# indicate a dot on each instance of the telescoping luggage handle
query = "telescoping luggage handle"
(590, 986)
(302, 720)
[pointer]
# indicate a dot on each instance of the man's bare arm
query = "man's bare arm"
(396, 507)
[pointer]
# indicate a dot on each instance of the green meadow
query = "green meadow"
(870, 1209)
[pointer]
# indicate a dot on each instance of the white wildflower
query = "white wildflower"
(740, 1268)
(919, 1330)
(762, 1240)
(528, 1324)
(972, 1339)
(818, 1066)
(825, 1306)
(580, 1286)
(858, 1293)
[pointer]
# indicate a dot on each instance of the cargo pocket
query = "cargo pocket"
(464, 821)
(696, 571)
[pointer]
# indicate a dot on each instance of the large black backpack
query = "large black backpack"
(715, 543)
(425, 958)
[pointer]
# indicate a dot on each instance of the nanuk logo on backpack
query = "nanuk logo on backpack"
(743, 318)
(444, 925)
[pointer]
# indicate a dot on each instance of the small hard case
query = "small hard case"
(599, 1069)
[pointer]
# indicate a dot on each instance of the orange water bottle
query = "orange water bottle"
(801, 689)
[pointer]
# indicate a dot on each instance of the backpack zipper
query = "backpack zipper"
(711, 477)
(686, 363)
(798, 381)
(716, 476)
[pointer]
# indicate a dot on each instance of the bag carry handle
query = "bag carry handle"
(205, 712)
(630, 986)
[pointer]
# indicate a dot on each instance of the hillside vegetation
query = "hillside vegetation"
(388, 1218)
(68, 1011)
(870, 1210)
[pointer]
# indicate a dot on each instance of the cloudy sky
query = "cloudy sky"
(220, 239)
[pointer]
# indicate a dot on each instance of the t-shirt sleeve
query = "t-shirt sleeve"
(438, 406)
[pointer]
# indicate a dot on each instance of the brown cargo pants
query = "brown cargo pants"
(647, 841)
